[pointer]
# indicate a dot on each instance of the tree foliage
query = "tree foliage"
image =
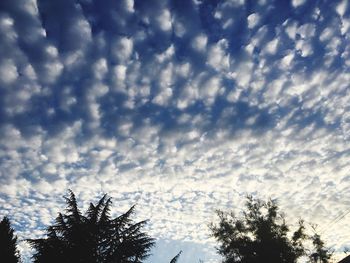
(262, 235)
(8, 243)
(321, 254)
(93, 237)
(176, 258)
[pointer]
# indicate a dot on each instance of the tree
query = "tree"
(321, 254)
(261, 235)
(175, 259)
(8, 243)
(94, 237)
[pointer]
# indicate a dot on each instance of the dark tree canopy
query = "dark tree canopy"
(321, 254)
(262, 235)
(8, 243)
(94, 237)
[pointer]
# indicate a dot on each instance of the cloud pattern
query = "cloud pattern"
(182, 107)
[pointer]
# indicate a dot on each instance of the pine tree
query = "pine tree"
(8, 243)
(94, 237)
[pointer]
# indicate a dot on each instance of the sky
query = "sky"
(181, 107)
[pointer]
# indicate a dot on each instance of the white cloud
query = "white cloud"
(122, 49)
(100, 68)
(272, 46)
(184, 70)
(166, 55)
(341, 7)
(51, 51)
(306, 31)
(218, 57)
(52, 70)
(200, 42)
(129, 5)
(243, 73)
(345, 26)
(81, 31)
(304, 47)
(210, 89)
(120, 72)
(326, 34)
(164, 20)
(287, 60)
(297, 3)
(8, 71)
(291, 29)
(163, 97)
(31, 7)
(6, 26)
(253, 20)
(30, 72)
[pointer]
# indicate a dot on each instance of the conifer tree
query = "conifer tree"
(8, 243)
(93, 237)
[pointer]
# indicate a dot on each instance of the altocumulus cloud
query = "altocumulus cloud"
(179, 106)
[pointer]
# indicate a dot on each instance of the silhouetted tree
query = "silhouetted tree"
(260, 235)
(321, 254)
(174, 260)
(94, 237)
(8, 243)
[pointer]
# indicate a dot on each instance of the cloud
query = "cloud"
(8, 72)
(164, 20)
(200, 42)
(122, 49)
(341, 8)
(297, 3)
(217, 57)
(253, 20)
(181, 109)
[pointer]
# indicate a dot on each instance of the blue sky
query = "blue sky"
(182, 107)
